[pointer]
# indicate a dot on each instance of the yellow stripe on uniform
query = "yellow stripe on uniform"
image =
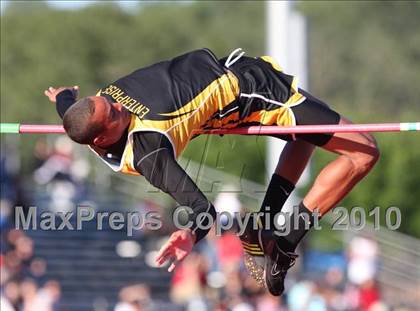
(281, 116)
(252, 248)
(273, 63)
(225, 97)
(254, 252)
(250, 244)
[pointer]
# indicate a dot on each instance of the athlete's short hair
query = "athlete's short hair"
(77, 122)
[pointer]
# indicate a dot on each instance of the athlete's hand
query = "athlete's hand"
(52, 92)
(176, 248)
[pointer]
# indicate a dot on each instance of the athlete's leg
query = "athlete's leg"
(293, 160)
(358, 154)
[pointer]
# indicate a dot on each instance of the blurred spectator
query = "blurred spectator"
(333, 288)
(267, 302)
(227, 201)
(11, 294)
(362, 270)
(305, 296)
(208, 247)
(5, 305)
(47, 298)
(368, 295)
(17, 264)
(137, 297)
(10, 187)
(29, 294)
(37, 269)
(134, 298)
(189, 280)
(363, 262)
(229, 249)
(57, 166)
(62, 172)
(41, 152)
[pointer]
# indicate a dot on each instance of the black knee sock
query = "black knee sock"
(277, 193)
(299, 222)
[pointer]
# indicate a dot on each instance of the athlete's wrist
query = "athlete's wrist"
(192, 234)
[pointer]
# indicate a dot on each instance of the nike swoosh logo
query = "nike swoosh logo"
(274, 271)
(221, 115)
(284, 190)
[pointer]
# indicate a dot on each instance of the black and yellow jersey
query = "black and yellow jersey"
(175, 98)
(193, 92)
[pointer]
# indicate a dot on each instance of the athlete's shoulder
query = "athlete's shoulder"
(198, 64)
(203, 54)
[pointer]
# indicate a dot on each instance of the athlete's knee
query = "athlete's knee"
(374, 150)
(365, 159)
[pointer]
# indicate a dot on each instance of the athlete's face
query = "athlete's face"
(115, 118)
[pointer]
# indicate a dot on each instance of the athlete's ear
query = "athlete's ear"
(117, 106)
(99, 140)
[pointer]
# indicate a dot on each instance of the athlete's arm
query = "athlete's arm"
(64, 97)
(154, 159)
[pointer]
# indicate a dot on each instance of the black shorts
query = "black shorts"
(265, 90)
(312, 112)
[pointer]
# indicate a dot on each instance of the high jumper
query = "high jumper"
(142, 122)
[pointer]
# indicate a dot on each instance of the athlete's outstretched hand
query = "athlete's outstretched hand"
(52, 92)
(176, 248)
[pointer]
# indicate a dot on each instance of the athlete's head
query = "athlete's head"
(96, 121)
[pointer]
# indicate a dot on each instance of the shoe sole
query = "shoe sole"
(255, 269)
